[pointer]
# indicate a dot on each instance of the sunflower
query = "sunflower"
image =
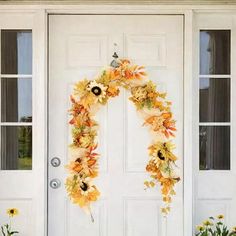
(98, 90)
(200, 227)
(161, 169)
(220, 217)
(207, 223)
(86, 188)
(81, 191)
(89, 195)
(12, 212)
(162, 151)
(162, 163)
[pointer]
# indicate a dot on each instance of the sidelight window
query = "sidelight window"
(214, 99)
(16, 100)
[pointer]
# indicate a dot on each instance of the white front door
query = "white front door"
(79, 46)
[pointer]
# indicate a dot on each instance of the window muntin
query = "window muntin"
(214, 100)
(16, 100)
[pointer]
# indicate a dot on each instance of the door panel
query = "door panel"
(79, 46)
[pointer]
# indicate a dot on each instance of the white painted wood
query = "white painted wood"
(215, 190)
(16, 76)
(130, 2)
(40, 121)
(214, 123)
(215, 76)
(16, 123)
(26, 190)
(148, 49)
(116, 9)
(124, 208)
(188, 123)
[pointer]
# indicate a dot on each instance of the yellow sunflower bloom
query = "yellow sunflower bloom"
(162, 151)
(207, 223)
(12, 212)
(220, 217)
(200, 227)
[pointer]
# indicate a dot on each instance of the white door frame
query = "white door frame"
(41, 67)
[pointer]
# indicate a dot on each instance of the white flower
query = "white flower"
(98, 89)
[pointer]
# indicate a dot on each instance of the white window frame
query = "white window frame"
(208, 24)
(39, 104)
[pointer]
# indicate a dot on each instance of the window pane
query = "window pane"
(16, 100)
(214, 100)
(214, 147)
(16, 52)
(214, 52)
(16, 148)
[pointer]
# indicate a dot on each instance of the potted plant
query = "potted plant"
(215, 226)
(6, 229)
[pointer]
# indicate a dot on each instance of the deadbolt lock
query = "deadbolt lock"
(55, 162)
(55, 183)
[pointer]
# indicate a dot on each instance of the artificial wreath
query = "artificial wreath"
(88, 96)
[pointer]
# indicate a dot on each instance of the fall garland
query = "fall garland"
(88, 96)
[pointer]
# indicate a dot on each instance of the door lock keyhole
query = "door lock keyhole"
(55, 183)
(55, 162)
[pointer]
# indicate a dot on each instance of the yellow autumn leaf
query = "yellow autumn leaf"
(146, 183)
(164, 210)
(152, 184)
(172, 192)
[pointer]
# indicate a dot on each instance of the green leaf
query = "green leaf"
(218, 230)
(205, 233)
(14, 232)
(3, 231)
